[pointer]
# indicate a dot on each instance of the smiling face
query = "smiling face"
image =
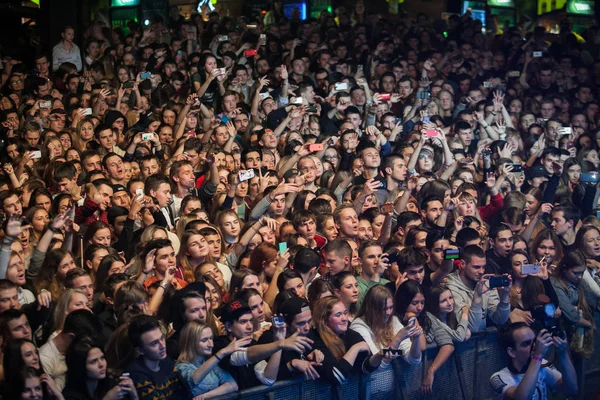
(591, 243)
(338, 320)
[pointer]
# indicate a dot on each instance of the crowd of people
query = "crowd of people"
(201, 206)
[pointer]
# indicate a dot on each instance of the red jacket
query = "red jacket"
(488, 211)
(86, 214)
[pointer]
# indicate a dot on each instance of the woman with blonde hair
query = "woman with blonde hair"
(344, 349)
(231, 227)
(199, 368)
(71, 300)
(381, 329)
(192, 253)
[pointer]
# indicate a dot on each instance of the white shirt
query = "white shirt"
(54, 363)
(502, 380)
(61, 55)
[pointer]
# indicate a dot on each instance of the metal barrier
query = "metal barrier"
(465, 376)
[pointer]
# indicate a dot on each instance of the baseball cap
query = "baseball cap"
(235, 309)
(293, 307)
(119, 188)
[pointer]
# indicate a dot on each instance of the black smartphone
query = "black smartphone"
(589, 177)
(452, 254)
(393, 257)
(396, 352)
(498, 281)
(128, 85)
(516, 167)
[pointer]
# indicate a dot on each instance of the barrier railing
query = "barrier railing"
(465, 376)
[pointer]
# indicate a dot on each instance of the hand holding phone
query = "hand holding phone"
(498, 281)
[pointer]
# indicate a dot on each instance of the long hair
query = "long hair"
(76, 360)
(127, 297)
(237, 280)
(404, 296)
(12, 361)
(182, 257)
(433, 306)
(572, 260)
(62, 305)
(17, 385)
(372, 311)
(338, 282)
(48, 277)
(579, 242)
(321, 315)
(316, 289)
(263, 253)
(188, 341)
(547, 234)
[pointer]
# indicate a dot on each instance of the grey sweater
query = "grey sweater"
(490, 306)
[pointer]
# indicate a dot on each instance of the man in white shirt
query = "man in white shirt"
(528, 375)
(66, 50)
(52, 354)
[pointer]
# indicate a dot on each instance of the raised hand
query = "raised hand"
(14, 228)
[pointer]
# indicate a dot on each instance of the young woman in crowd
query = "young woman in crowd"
(382, 330)
(198, 366)
(88, 376)
(156, 166)
(344, 349)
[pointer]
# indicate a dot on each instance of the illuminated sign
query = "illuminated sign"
(546, 6)
(125, 3)
(501, 3)
(582, 7)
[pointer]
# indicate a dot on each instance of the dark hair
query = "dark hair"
(306, 259)
(82, 322)
(507, 334)
(140, 325)
(77, 375)
(316, 288)
(432, 304)
(404, 296)
(285, 276)
(466, 235)
(472, 251)
(411, 256)
(13, 358)
(496, 229)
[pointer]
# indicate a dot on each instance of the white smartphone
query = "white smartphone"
(246, 175)
(530, 269)
(341, 86)
(36, 154)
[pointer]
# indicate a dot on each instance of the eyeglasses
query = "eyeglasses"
(15, 82)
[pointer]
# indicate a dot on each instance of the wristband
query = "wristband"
(164, 285)
(537, 358)
(218, 358)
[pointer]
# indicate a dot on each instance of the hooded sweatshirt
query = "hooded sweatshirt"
(490, 306)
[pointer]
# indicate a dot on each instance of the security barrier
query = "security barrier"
(465, 376)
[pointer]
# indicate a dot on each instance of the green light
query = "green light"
(445, 34)
(329, 9)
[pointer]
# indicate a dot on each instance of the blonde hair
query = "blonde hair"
(60, 312)
(372, 312)
(190, 336)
